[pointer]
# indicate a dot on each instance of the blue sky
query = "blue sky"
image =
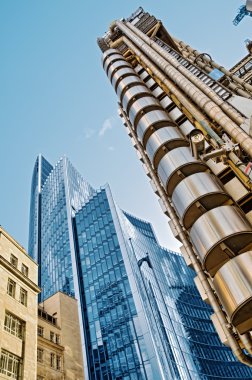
(55, 98)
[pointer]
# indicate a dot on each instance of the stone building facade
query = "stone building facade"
(18, 310)
(36, 342)
(59, 354)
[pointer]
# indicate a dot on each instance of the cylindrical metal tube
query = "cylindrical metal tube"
(219, 235)
(233, 284)
(195, 262)
(176, 165)
(195, 195)
(241, 356)
(162, 141)
(211, 109)
(228, 109)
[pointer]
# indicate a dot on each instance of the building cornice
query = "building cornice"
(7, 265)
(48, 342)
(14, 242)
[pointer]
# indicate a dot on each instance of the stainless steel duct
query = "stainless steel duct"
(159, 139)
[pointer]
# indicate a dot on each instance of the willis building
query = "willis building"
(190, 121)
(141, 316)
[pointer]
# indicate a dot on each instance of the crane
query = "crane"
(244, 10)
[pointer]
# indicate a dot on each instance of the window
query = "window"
(57, 340)
(40, 331)
(52, 360)
(23, 297)
(11, 288)
(40, 354)
(9, 365)
(58, 362)
(24, 270)
(14, 325)
(52, 336)
(14, 260)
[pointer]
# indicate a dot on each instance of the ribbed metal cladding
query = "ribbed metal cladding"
(115, 66)
(120, 74)
(162, 141)
(233, 284)
(108, 53)
(176, 165)
(219, 235)
(132, 94)
(141, 107)
(112, 59)
(216, 229)
(126, 83)
(150, 122)
(197, 194)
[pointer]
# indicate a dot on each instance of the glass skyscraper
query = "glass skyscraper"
(141, 316)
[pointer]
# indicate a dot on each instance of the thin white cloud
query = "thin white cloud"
(88, 133)
(107, 125)
(111, 148)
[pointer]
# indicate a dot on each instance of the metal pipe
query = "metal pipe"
(191, 254)
(199, 116)
(196, 265)
(209, 107)
(213, 154)
(227, 108)
(234, 86)
(196, 53)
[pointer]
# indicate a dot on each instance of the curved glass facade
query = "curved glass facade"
(188, 346)
(141, 315)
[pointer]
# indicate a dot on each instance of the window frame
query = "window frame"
(57, 338)
(10, 361)
(40, 355)
(52, 336)
(11, 285)
(14, 325)
(58, 362)
(23, 296)
(52, 360)
(13, 260)
(24, 270)
(40, 328)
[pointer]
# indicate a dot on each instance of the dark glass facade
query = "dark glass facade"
(141, 315)
(42, 169)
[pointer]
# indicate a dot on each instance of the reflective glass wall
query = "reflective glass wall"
(140, 313)
(116, 350)
(185, 339)
(42, 169)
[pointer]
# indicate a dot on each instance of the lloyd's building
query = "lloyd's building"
(190, 122)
